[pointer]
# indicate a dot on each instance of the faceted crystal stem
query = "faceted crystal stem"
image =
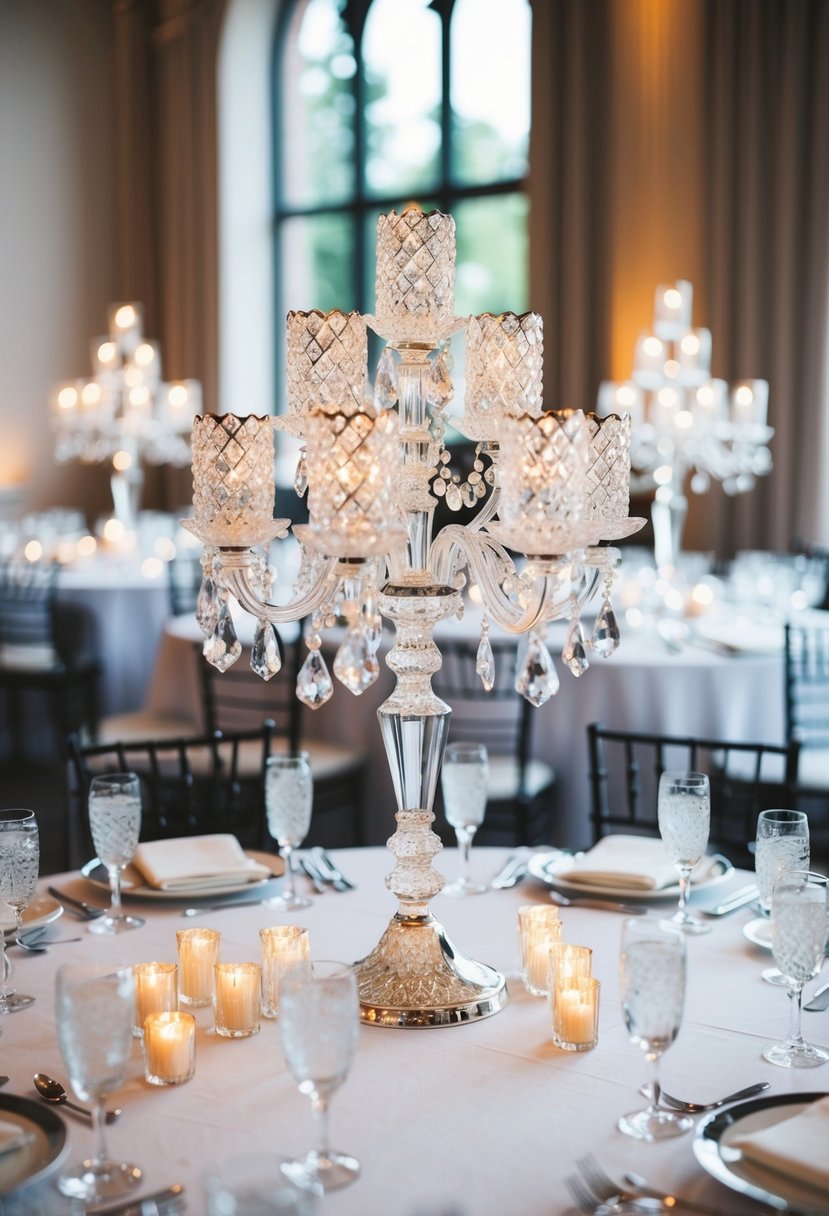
(419, 450)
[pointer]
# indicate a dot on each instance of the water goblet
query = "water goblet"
(684, 812)
(288, 798)
(94, 1014)
(319, 1024)
(260, 1184)
(782, 845)
(463, 780)
(115, 822)
(798, 940)
(19, 864)
(652, 987)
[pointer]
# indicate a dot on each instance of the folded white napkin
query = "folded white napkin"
(795, 1146)
(12, 1137)
(632, 862)
(190, 863)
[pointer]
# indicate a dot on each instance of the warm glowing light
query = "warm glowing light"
(68, 398)
(125, 316)
(652, 346)
(705, 395)
(744, 395)
(684, 420)
(690, 344)
(65, 551)
(475, 594)
(662, 476)
(178, 396)
(625, 395)
(672, 298)
(33, 551)
(703, 595)
(671, 369)
(144, 354)
(152, 567)
(633, 616)
(165, 548)
(133, 376)
(140, 395)
(121, 461)
(668, 398)
(107, 352)
(91, 394)
(87, 546)
(114, 530)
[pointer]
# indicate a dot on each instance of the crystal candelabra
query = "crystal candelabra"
(549, 486)
(125, 413)
(683, 421)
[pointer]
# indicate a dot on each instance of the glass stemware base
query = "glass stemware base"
(795, 1054)
(98, 1181)
(655, 1123)
(110, 925)
(332, 1170)
(772, 975)
(14, 1001)
(686, 922)
(287, 903)
(464, 886)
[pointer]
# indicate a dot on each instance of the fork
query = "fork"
(586, 1201)
(608, 1191)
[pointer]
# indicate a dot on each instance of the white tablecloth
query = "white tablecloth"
(483, 1119)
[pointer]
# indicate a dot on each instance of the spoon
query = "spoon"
(35, 946)
(52, 1091)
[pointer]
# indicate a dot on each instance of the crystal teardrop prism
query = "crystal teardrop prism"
(485, 661)
(314, 685)
(606, 636)
(222, 648)
(385, 381)
(574, 654)
(265, 659)
(207, 605)
(537, 680)
(438, 386)
(301, 475)
(355, 664)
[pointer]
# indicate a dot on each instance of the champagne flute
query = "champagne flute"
(652, 985)
(115, 822)
(319, 1024)
(782, 845)
(798, 939)
(94, 1015)
(19, 864)
(463, 781)
(684, 812)
(288, 799)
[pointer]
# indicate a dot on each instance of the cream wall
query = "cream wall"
(57, 239)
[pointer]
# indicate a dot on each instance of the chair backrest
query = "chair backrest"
(238, 699)
(500, 718)
(27, 613)
(807, 684)
(190, 786)
(745, 778)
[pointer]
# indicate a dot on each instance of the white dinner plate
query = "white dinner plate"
(41, 911)
(545, 866)
(713, 1150)
(44, 1148)
(758, 932)
(134, 886)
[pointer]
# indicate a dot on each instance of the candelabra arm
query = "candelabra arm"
(234, 575)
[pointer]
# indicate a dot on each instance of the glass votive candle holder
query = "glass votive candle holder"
(198, 952)
(169, 1047)
(237, 999)
(282, 946)
(567, 961)
(574, 1003)
(539, 927)
(155, 991)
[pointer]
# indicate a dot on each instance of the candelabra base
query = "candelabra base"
(416, 977)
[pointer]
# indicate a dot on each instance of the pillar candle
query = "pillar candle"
(155, 991)
(198, 950)
(169, 1048)
(282, 947)
(539, 926)
(237, 1001)
(575, 1010)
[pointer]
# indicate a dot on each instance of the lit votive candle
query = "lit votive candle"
(198, 950)
(237, 1001)
(539, 927)
(169, 1048)
(575, 1011)
(155, 991)
(567, 962)
(282, 947)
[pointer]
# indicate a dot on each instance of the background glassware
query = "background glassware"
(288, 800)
(798, 939)
(94, 1014)
(319, 1024)
(782, 845)
(684, 811)
(652, 990)
(463, 780)
(258, 1184)
(19, 866)
(115, 823)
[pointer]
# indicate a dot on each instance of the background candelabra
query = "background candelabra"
(125, 413)
(684, 421)
(549, 486)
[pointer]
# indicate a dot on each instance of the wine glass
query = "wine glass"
(19, 864)
(319, 1023)
(463, 781)
(288, 797)
(94, 1015)
(782, 845)
(652, 984)
(260, 1184)
(798, 939)
(115, 822)
(684, 812)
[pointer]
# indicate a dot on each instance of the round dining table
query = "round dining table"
(479, 1119)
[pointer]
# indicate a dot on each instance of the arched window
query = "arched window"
(382, 102)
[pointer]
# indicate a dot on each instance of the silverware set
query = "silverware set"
(594, 1191)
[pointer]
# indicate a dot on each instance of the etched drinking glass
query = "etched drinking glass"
(463, 780)
(19, 864)
(115, 823)
(94, 1014)
(652, 989)
(798, 938)
(319, 1024)
(288, 799)
(782, 845)
(684, 811)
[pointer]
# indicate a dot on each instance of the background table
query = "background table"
(479, 1120)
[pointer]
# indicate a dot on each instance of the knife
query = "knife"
(738, 900)
(231, 903)
(819, 1001)
(89, 910)
(311, 872)
(603, 905)
(514, 869)
(159, 1203)
(329, 872)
